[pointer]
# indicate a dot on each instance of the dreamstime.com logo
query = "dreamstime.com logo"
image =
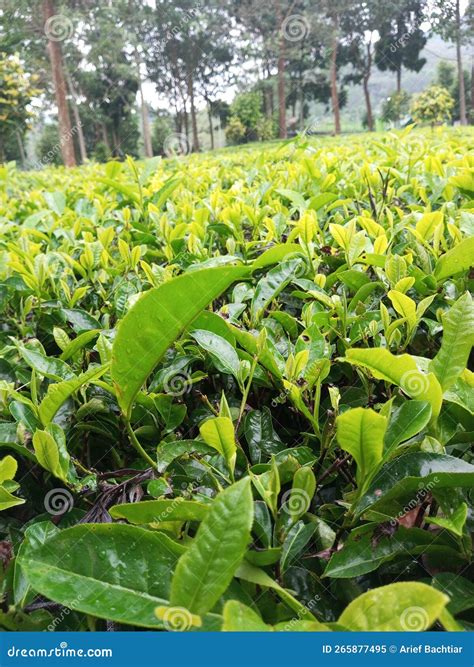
(61, 651)
(57, 28)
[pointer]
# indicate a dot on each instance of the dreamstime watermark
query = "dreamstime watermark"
(61, 651)
(417, 500)
(295, 501)
(176, 143)
(65, 611)
(295, 28)
(58, 501)
(414, 619)
(187, 487)
(187, 16)
(177, 384)
(301, 613)
(57, 28)
(51, 154)
(402, 41)
(177, 619)
(414, 383)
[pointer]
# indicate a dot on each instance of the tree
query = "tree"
(17, 90)
(447, 21)
(359, 25)
(447, 78)
(432, 106)
(60, 87)
(395, 106)
(401, 37)
(247, 109)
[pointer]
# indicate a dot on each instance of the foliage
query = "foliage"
(395, 107)
(433, 106)
(235, 131)
(247, 108)
(17, 90)
(234, 390)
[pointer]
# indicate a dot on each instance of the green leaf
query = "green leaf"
(112, 571)
(255, 575)
(301, 494)
(223, 355)
(78, 343)
(459, 589)
(240, 618)
(406, 421)
(276, 254)
(8, 468)
(296, 540)
(8, 439)
(157, 319)
(458, 337)
(157, 511)
(272, 284)
(49, 454)
(363, 553)
(398, 482)
(427, 224)
(205, 571)
(218, 433)
(400, 370)
(454, 523)
(457, 260)
(58, 393)
(361, 432)
(406, 606)
(52, 368)
(8, 500)
(167, 452)
(404, 306)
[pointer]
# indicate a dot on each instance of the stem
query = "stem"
(245, 392)
(138, 447)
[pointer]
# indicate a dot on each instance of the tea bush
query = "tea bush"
(234, 389)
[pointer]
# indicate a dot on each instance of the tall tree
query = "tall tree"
(448, 22)
(60, 87)
(359, 26)
(401, 37)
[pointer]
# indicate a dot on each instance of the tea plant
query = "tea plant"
(234, 389)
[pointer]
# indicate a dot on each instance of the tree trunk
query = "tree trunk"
(193, 113)
(333, 76)
(281, 73)
(211, 129)
(77, 118)
(105, 137)
(462, 93)
(370, 118)
(21, 148)
(471, 117)
(144, 111)
(399, 79)
(56, 60)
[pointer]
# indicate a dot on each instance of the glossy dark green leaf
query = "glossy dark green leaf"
(457, 341)
(205, 571)
(167, 452)
(222, 353)
(398, 481)
(157, 319)
(406, 421)
(157, 511)
(112, 571)
(365, 550)
(296, 540)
